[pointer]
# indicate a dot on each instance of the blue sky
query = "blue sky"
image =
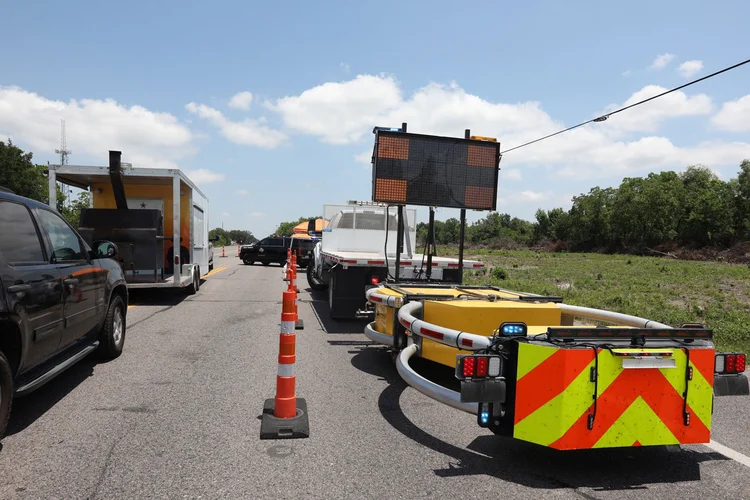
(156, 80)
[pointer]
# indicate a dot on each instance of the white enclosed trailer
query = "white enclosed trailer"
(183, 206)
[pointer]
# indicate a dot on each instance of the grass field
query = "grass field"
(662, 289)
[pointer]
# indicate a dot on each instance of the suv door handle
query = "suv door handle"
(71, 281)
(19, 288)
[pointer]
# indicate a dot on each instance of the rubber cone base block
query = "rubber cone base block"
(284, 428)
(300, 325)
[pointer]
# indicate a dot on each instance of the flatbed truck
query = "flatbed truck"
(355, 252)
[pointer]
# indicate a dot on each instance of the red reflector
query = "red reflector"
(482, 367)
(374, 280)
(740, 363)
(469, 367)
(376, 262)
(730, 365)
(431, 333)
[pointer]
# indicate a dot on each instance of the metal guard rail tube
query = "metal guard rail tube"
(622, 319)
(386, 300)
(447, 336)
(430, 389)
(376, 336)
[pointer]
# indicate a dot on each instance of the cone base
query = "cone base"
(299, 325)
(284, 428)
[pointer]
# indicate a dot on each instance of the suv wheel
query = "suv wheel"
(6, 393)
(112, 336)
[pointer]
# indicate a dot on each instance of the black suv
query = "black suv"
(274, 250)
(59, 300)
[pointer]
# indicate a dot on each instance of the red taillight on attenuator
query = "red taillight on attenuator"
(469, 365)
(482, 366)
(730, 363)
(478, 366)
(374, 280)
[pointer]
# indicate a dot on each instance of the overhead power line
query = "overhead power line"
(604, 117)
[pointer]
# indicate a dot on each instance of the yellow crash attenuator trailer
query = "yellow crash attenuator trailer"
(555, 383)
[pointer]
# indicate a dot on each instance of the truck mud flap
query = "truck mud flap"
(346, 292)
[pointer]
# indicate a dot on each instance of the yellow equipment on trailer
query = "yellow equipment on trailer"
(527, 371)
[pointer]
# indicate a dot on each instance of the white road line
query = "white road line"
(729, 453)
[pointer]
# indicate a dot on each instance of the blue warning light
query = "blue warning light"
(485, 417)
(513, 329)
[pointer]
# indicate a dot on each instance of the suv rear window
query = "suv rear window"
(20, 243)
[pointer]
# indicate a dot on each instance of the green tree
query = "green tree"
(241, 236)
(742, 201)
(219, 236)
(20, 175)
(709, 207)
(73, 212)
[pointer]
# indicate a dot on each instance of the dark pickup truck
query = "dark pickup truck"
(274, 250)
(59, 299)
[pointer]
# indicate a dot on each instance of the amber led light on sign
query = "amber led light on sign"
(390, 190)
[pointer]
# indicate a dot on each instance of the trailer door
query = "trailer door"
(200, 252)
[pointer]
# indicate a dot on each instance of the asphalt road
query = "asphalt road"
(177, 416)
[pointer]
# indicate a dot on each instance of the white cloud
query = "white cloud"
(530, 196)
(511, 174)
(364, 157)
(662, 60)
(247, 132)
(648, 116)
(734, 115)
(203, 176)
(340, 112)
(241, 100)
(93, 127)
(626, 144)
(226, 214)
(690, 68)
(262, 214)
(242, 192)
(345, 67)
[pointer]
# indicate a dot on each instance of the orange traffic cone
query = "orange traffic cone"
(285, 416)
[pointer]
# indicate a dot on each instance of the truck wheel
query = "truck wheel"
(247, 261)
(6, 393)
(112, 336)
(314, 283)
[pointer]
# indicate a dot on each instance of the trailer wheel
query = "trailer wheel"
(193, 288)
(314, 283)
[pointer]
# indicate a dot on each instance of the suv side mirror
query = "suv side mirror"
(105, 250)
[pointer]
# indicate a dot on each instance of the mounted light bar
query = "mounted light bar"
(478, 366)
(514, 329)
(730, 363)
(627, 332)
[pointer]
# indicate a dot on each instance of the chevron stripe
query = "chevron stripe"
(634, 406)
(657, 393)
